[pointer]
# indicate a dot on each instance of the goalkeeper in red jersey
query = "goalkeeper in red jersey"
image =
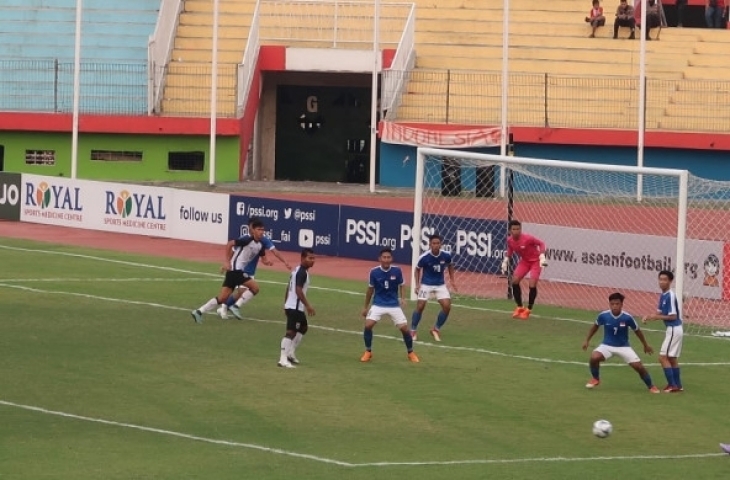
(531, 251)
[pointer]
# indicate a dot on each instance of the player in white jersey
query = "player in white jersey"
(238, 253)
(296, 308)
(429, 280)
(241, 294)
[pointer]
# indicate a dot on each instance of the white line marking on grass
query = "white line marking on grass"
(330, 461)
(313, 287)
(348, 332)
(102, 280)
(171, 433)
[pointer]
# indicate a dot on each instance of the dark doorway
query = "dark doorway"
(322, 133)
(2, 158)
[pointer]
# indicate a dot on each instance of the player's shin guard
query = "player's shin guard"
(517, 294)
(247, 295)
(408, 340)
(531, 297)
(367, 336)
(415, 320)
(212, 303)
(441, 319)
(669, 373)
(231, 301)
(286, 344)
(295, 343)
(677, 381)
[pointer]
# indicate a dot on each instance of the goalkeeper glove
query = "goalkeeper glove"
(505, 264)
(543, 261)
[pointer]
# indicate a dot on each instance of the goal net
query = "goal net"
(606, 228)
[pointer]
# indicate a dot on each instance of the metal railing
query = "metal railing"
(403, 62)
(544, 100)
(159, 51)
(247, 68)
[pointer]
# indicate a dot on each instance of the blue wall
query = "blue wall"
(398, 162)
(37, 52)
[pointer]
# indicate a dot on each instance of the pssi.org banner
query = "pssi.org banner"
(358, 232)
(628, 260)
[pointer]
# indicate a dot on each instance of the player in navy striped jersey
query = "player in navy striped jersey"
(668, 312)
(386, 289)
(238, 253)
(616, 324)
(296, 308)
(241, 294)
(429, 281)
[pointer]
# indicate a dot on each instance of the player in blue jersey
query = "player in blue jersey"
(241, 294)
(616, 324)
(386, 289)
(429, 282)
(239, 252)
(668, 312)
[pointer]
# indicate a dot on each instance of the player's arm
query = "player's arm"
(281, 258)
(402, 294)
(299, 282)
(591, 331)
(540, 246)
(368, 298)
(228, 255)
(507, 256)
(417, 278)
(640, 335)
(450, 269)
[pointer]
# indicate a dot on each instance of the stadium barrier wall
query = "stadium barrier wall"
(352, 232)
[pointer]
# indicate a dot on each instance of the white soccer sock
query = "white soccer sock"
(247, 295)
(212, 303)
(285, 347)
(294, 344)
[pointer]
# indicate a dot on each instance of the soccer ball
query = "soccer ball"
(602, 428)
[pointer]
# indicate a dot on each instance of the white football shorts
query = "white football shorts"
(672, 344)
(430, 291)
(395, 313)
(627, 354)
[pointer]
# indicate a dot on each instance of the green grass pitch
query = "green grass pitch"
(105, 375)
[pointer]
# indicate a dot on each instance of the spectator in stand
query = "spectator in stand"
(624, 18)
(596, 18)
(653, 18)
(714, 12)
(681, 7)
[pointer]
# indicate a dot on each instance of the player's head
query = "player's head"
(251, 220)
(616, 302)
(256, 229)
(434, 243)
(596, 2)
(307, 257)
(666, 277)
(386, 258)
(515, 228)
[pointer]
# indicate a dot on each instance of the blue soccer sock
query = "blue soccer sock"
(415, 320)
(647, 380)
(669, 373)
(408, 340)
(441, 319)
(594, 372)
(231, 301)
(677, 381)
(367, 335)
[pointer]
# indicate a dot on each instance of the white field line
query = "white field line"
(330, 461)
(313, 287)
(339, 330)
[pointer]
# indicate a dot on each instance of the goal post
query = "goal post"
(606, 228)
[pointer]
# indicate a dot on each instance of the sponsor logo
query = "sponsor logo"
(306, 238)
(10, 188)
(57, 202)
(135, 210)
(287, 213)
